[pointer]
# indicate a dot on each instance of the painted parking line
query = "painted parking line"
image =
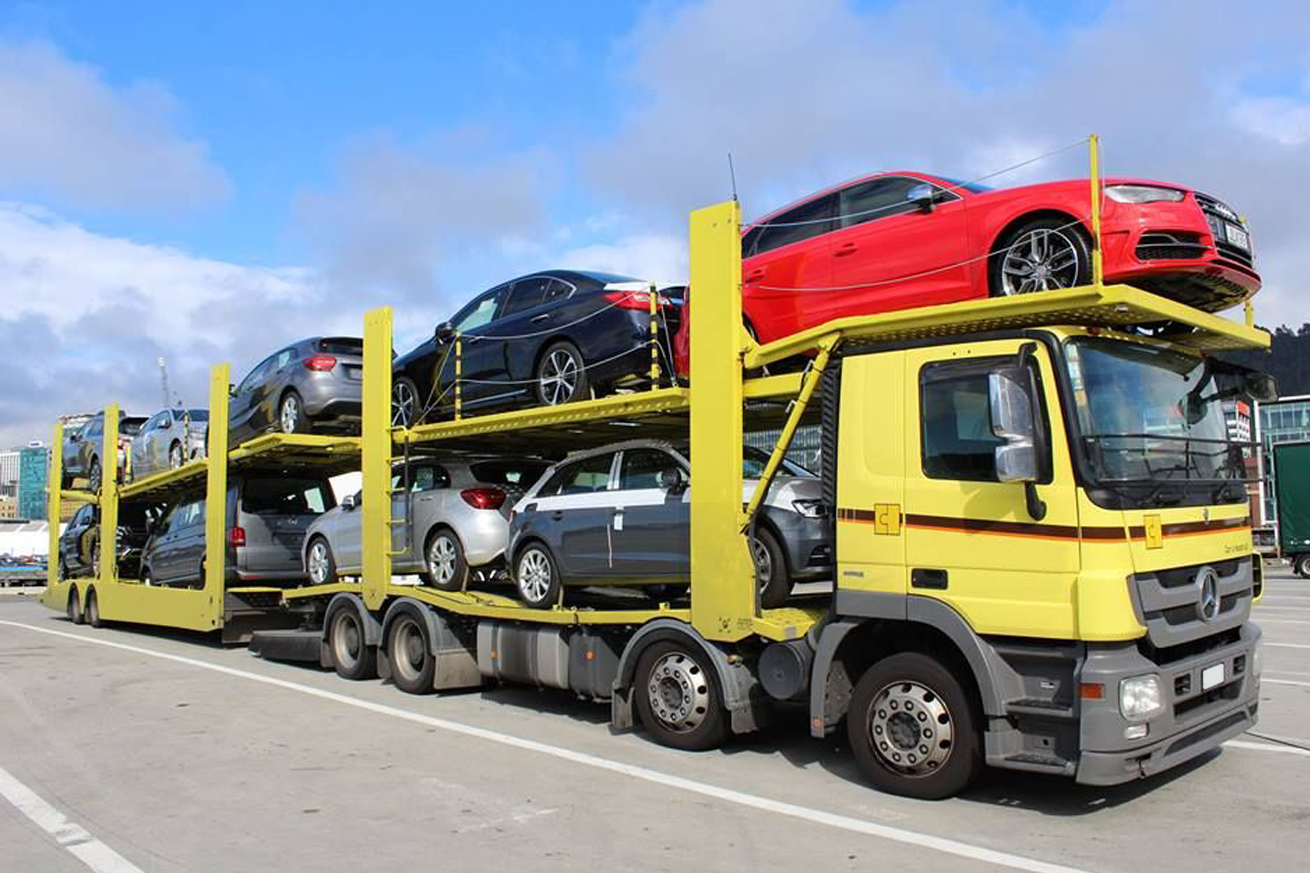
(1287, 645)
(73, 837)
(645, 774)
(1284, 682)
(1267, 747)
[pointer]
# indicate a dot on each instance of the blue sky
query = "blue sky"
(207, 181)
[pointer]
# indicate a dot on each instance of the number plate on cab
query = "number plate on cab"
(1212, 676)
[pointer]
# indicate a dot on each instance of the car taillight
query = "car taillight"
(635, 299)
(236, 535)
(483, 498)
(321, 363)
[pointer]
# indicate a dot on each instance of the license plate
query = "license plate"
(355, 372)
(1212, 676)
(1237, 236)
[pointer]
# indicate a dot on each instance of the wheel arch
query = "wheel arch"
(544, 345)
(739, 691)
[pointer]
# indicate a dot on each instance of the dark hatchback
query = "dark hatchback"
(546, 338)
(79, 543)
(314, 385)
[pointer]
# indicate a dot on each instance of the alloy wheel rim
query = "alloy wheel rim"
(318, 563)
(678, 692)
(1040, 260)
(911, 729)
(559, 377)
(534, 576)
(290, 416)
(175, 457)
(402, 405)
(763, 562)
(441, 559)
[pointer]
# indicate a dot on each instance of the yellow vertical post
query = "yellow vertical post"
(722, 573)
(375, 457)
(108, 524)
(1094, 148)
(654, 336)
(216, 494)
(459, 372)
(54, 502)
(1249, 311)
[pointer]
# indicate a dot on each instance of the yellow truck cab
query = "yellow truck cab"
(1057, 517)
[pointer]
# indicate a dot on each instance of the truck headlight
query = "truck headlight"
(809, 508)
(1140, 697)
(1142, 193)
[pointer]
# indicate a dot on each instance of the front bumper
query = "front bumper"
(806, 543)
(1193, 720)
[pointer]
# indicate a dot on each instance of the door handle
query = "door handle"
(847, 249)
(557, 515)
(920, 578)
(755, 276)
(538, 318)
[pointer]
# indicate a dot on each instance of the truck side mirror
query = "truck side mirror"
(1011, 393)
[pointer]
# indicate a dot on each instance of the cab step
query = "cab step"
(1035, 763)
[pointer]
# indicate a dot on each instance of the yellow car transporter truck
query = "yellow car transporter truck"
(1042, 544)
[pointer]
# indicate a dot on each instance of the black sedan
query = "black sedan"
(543, 339)
(79, 542)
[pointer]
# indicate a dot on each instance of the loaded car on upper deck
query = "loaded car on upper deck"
(546, 338)
(169, 439)
(903, 240)
(314, 385)
(82, 449)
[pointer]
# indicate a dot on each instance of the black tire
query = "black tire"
(74, 610)
(1301, 566)
(61, 570)
(913, 728)
(93, 556)
(93, 609)
(536, 576)
(677, 697)
(65, 481)
(406, 405)
(409, 650)
(93, 476)
(444, 564)
(1056, 239)
(352, 657)
(326, 572)
(561, 375)
(770, 569)
(291, 416)
(176, 457)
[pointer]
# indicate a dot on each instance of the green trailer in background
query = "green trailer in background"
(1292, 490)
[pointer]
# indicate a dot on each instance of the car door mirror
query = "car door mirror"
(231, 390)
(671, 481)
(923, 197)
(444, 332)
(349, 503)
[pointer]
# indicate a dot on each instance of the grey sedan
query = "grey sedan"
(313, 385)
(455, 521)
(168, 440)
(621, 515)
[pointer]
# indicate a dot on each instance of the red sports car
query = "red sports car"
(900, 240)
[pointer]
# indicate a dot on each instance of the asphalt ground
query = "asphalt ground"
(125, 749)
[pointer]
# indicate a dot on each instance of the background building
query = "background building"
(1282, 421)
(9, 473)
(33, 470)
(8, 507)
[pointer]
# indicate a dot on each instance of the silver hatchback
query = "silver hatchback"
(454, 514)
(171, 438)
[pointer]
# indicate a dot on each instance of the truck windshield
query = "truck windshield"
(1154, 419)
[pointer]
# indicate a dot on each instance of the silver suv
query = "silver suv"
(454, 515)
(621, 515)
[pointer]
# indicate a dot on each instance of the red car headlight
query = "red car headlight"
(1143, 194)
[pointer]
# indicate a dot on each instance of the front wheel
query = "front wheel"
(561, 375)
(912, 728)
(444, 559)
(322, 568)
(291, 414)
(1301, 566)
(1043, 254)
(536, 577)
(176, 457)
(677, 697)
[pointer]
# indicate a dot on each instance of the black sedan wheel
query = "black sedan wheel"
(405, 409)
(561, 375)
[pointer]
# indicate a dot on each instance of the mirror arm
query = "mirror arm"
(1036, 505)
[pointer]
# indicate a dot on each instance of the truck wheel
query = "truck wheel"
(678, 698)
(93, 609)
(536, 578)
(412, 662)
(1301, 566)
(352, 657)
(912, 728)
(770, 569)
(444, 559)
(75, 614)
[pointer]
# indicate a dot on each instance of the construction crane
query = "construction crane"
(163, 380)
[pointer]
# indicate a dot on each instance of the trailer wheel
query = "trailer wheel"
(678, 699)
(1301, 566)
(75, 614)
(93, 609)
(912, 728)
(352, 657)
(413, 665)
(535, 576)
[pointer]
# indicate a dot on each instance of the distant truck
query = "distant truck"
(1292, 489)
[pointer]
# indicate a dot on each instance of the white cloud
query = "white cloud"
(68, 135)
(1283, 120)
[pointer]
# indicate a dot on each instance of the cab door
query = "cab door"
(970, 539)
